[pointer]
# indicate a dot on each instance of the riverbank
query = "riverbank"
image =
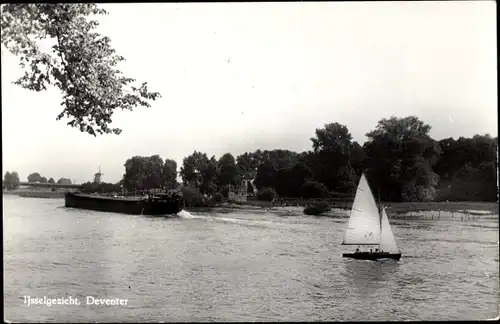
(473, 207)
(477, 208)
(36, 194)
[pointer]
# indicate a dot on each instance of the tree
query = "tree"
(283, 183)
(191, 168)
(357, 156)
(82, 63)
(313, 189)
(334, 137)
(103, 187)
(472, 151)
(64, 181)
(250, 188)
(152, 168)
(279, 159)
(288, 181)
(43, 180)
(134, 173)
(247, 164)
(34, 177)
(200, 171)
(145, 173)
(474, 184)
(228, 172)
(209, 177)
(266, 194)
(332, 162)
(169, 174)
(11, 180)
(265, 176)
(400, 156)
(51, 180)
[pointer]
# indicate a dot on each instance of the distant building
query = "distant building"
(97, 176)
(239, 193)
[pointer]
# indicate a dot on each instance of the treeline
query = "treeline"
(400, 159)
(36, 177)
(11, 180)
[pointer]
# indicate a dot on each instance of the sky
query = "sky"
(237, 77)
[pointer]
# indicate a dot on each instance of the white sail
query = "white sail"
(364, 223)
(387, 239)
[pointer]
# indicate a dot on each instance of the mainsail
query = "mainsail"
(387, 239)
(364, 224)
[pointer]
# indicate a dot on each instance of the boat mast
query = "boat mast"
(379, 214)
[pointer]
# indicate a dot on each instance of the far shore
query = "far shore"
(477, 208)
(472, 207)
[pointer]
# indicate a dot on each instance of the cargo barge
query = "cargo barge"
(152, 204)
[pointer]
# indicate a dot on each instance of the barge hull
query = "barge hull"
(122, 205)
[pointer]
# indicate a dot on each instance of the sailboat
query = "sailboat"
(369, 226)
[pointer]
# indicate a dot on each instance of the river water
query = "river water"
(240, 266)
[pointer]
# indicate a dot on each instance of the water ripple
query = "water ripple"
(241, 266)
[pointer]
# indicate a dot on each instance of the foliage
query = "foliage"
(64, 181)
(317, 208)
(400, 159)
(82, 64)
(34, 177)
(51, 180)
(289, 181)
(265, 176)
(103, 187)
(200, 172)
(218, 197)
(169, 174)
(471, 151)
(334, 137)
(146, 173)
(279, 159)
(248, 163)
(470, 183)
(400, 156)
(11, 180)
(193, 198)
(250, 188)
(224, 191)
(43, 180)
(331, 158)
(266, 194)
(227, 169)
(313, 189)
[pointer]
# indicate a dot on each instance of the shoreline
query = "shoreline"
(36, 194)
(472, 207)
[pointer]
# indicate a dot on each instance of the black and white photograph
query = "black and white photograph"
(250, 161)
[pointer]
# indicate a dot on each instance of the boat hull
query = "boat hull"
(143, 206)
(372, 256)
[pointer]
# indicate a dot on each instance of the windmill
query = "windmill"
(97, 176)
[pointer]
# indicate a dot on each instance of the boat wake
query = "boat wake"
(241, 221)
(187, 215)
